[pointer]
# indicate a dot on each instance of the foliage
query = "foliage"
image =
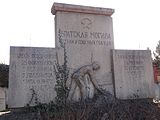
(158, 48)
(61, 89)
(156, 60)
(101, 107)
(4, 75)
(62, 73)
(34, 98)
(58, 108)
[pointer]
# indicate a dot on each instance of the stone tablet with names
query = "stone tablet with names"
(31, 75)
(133, 74)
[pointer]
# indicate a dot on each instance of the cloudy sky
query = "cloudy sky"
(136, 23)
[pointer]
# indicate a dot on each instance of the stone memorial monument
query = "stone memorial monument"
(133, 74)
(87, 33)
(84, 40)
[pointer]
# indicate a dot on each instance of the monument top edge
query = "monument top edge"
(81, 9)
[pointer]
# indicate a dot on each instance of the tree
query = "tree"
(4, 75)
(156, 60)
(158, 48)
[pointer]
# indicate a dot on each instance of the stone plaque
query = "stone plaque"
(88, 36)
(31, 75)
(133, 74)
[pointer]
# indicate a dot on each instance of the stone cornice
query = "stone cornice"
(81, 9)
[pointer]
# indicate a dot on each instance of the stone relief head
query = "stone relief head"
(95, 66)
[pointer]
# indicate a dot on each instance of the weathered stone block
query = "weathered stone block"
(133, 74)
(31, 75)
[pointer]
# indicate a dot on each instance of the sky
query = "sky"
(136, 23)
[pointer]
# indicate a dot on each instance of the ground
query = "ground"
(99, 108)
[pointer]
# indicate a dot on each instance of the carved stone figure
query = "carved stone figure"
(83, 82)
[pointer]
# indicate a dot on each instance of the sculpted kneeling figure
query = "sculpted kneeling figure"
(83, 82)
